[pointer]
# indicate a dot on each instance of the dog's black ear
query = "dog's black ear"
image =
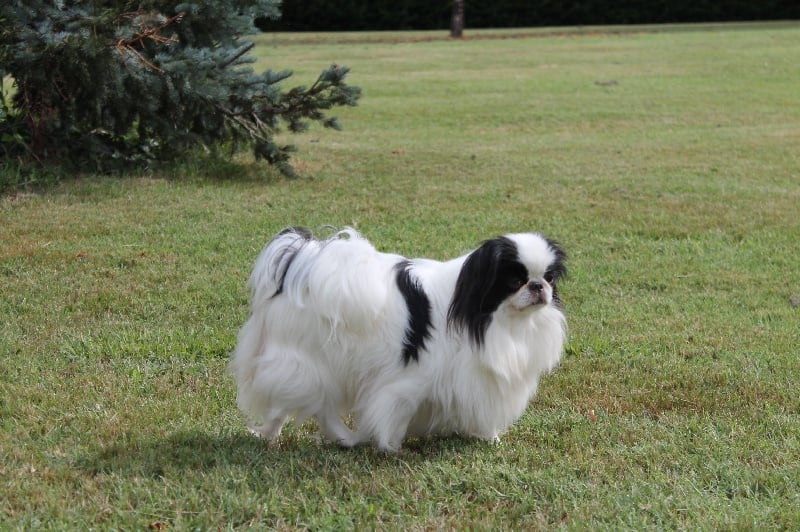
(489, 275)
(557, 269)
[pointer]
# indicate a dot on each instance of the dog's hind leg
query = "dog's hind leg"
(282, 384)
(333, 427)
(386, 416)
(271, 427)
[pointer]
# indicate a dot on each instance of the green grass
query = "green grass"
(667, 164)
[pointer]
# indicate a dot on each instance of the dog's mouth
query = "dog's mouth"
(535, 294)
(540, 299)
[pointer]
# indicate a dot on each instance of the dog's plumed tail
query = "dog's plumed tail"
(332, 288)
(336, 278)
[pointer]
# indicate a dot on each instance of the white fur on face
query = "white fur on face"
(535, 293)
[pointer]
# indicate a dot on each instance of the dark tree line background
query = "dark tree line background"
(357, 15)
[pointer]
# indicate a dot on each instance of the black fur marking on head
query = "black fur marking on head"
(489, 275)
(418, 328)
(284, 261)
(557, 270)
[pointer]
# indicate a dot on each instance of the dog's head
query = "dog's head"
(515, 274)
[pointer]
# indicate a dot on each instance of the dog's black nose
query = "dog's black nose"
(535, 286)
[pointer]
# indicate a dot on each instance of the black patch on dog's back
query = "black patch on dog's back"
(418, 328)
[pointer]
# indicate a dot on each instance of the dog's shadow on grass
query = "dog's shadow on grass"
(185, 451)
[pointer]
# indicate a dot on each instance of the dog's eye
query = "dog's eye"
(549, 277)
(515, 283)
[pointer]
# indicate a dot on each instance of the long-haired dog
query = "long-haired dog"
(409, 347)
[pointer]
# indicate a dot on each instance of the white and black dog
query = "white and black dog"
(409, 347)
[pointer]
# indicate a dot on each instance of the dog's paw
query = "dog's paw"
(352, 440)
(265, 432)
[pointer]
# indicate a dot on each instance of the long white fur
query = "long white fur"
(330, 344)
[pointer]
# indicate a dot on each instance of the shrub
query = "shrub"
(104, 85)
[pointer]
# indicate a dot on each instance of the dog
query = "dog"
(407, 347)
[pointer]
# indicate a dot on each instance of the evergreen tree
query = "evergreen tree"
(105, 83)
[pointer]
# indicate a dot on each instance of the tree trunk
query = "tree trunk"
(457, 20)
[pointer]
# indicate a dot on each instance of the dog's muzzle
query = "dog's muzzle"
(540, 292)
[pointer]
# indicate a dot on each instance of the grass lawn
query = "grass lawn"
(667, 163)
